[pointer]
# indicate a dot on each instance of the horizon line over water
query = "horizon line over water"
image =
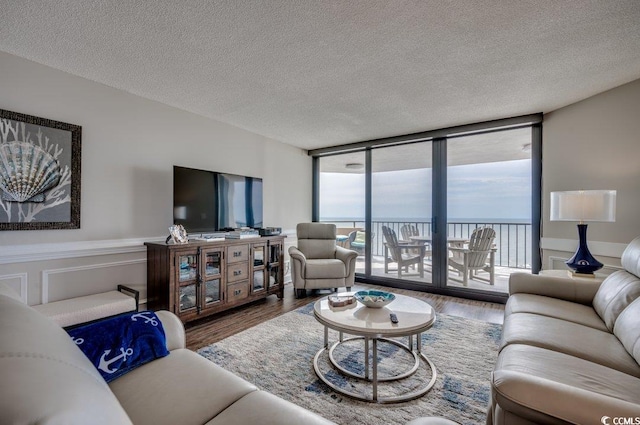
(428, 220)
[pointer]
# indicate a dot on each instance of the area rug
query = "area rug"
(277, 356)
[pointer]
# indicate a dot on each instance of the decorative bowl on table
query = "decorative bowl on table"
(374, 299)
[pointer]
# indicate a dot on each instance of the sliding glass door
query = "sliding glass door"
(342, 200)
(489, 187)
(456, 213)
(401, 184)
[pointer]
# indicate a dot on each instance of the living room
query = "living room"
(136, 125)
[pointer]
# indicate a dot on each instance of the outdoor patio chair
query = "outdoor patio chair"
(357, 241)
(409, 230)
(479, 255)
(402, 253)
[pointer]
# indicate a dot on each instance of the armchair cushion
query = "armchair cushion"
(325, 269)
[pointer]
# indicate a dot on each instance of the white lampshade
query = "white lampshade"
(583, 205)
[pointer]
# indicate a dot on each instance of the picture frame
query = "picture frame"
(40, 173)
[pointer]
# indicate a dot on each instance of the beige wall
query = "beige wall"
(129, 146)
(594, 144)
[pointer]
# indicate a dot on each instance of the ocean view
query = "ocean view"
(513, 235)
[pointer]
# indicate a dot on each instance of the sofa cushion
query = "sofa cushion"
(553, 307)
(537, 384)
(260, 407)
(46, 377)
(616, 292)
(570, 338)
(631, 257)
(325, 269)
(195, 389)
(627, 329)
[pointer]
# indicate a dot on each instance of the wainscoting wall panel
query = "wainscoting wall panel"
(18, 282)
(51, 272)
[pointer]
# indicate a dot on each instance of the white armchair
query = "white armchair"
(317, 262)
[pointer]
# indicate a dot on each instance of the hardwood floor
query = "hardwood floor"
(212, 329)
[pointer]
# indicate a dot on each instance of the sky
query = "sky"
(499, 190)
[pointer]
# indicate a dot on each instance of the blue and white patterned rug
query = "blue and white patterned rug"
(277, 356)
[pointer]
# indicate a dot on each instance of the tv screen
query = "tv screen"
(208, 201)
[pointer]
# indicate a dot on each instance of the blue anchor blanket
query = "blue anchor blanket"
(119, 344)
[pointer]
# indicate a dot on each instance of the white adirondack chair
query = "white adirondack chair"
(479, 255)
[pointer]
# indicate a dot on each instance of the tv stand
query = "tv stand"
(200, 278)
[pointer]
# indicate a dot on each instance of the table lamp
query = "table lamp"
(581, 206)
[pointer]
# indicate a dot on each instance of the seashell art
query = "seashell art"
(26, 172)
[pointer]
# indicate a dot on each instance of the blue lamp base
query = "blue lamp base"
(582, 261)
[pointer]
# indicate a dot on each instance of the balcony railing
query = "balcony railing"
(512, 241)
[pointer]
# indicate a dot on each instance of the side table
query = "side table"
(568, 275)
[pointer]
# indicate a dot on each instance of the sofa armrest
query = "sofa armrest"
(173, 330)
(537, 400)
(555, 287)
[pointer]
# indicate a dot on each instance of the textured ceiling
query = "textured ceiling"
(320, 73)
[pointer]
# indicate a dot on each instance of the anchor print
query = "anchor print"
(104, 364)
(147, 319)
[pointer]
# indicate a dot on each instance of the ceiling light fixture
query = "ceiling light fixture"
(354, 166)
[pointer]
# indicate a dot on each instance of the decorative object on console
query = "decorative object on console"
(39, 173)
(177, 234)
(581, 206)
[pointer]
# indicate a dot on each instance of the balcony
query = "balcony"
(512, 243)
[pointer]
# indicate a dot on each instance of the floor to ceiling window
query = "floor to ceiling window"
(454, 211)
(401, 211)
(488, 208)
(342, 200)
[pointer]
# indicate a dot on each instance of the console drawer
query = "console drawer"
(237, 291)
(237, 272)
(237, 253)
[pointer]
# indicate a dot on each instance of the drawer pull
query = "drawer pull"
(237, 253)
(237, 292)
(237, 272)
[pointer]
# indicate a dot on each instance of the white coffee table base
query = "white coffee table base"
(417, 354)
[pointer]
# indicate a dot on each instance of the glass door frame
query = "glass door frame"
(439, 199)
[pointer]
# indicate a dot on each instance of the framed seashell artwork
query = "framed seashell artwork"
(39, 173)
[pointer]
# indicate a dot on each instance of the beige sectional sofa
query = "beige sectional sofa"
(570, 350)
(46, 379)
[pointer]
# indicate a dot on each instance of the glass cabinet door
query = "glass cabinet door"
(212, 282)
(259, 280)
(275, 265)
(274, 276)
(274, 253)
(258, 255)
(188, 297)
(187, 267)
(212, 293)
(187, 270)
(213, 263)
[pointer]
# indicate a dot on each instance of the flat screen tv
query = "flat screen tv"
(209, 201)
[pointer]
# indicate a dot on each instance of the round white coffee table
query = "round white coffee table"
(373, 325)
